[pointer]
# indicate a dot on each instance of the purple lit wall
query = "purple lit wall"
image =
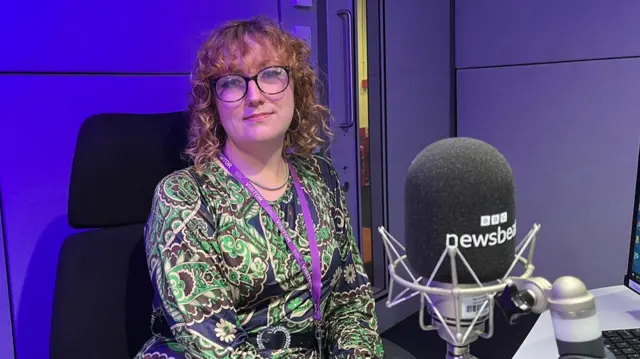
(61, 62)
(6, 344)
(555, 86)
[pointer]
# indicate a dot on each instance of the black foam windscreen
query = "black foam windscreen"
(460, 191)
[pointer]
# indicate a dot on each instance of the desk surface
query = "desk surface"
(618, 308)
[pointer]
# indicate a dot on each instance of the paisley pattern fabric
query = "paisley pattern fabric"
(222, 271)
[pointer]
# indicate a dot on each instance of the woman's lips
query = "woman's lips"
(258, 116)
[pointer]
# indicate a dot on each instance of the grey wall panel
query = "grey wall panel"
(507, 32)
(571, 132)
(418, 103)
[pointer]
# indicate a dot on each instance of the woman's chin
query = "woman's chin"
(265, 137)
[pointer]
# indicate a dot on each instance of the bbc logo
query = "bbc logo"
(493, 219)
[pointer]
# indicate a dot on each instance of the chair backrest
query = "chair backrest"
(103, 294)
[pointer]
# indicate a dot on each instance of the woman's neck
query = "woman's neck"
(263, 163)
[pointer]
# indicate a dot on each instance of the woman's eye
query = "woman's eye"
(226, 83)
(272, 73)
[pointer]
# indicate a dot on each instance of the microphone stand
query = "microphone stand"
(454, 352)
(517, 296)
(447, 318)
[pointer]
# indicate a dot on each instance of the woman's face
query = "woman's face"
(259, 109)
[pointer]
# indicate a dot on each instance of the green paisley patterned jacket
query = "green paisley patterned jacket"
(222, 271)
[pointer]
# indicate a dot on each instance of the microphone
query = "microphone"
(460, 192)
(460, 204)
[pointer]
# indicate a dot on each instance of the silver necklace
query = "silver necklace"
(286, 180)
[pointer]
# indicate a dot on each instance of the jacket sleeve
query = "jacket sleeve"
(352, 326)
(185, 268)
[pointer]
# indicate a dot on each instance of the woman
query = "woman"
(236, 243)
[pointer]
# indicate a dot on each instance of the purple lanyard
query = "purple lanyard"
(315, 282)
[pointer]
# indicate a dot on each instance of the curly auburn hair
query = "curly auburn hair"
(309, 128)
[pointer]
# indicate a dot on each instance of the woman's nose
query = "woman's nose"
(254, 95)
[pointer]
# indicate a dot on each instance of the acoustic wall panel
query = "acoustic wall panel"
(113, 36)
(571, 133)
(416, 105)
(507, 32)
(37, 138)
(6, 324)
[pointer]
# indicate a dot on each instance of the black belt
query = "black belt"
(275, 338)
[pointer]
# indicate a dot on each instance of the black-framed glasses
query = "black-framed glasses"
(271, 81)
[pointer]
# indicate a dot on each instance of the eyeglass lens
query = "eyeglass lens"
(271, 81)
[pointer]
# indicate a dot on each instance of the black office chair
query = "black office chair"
(103, 294)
